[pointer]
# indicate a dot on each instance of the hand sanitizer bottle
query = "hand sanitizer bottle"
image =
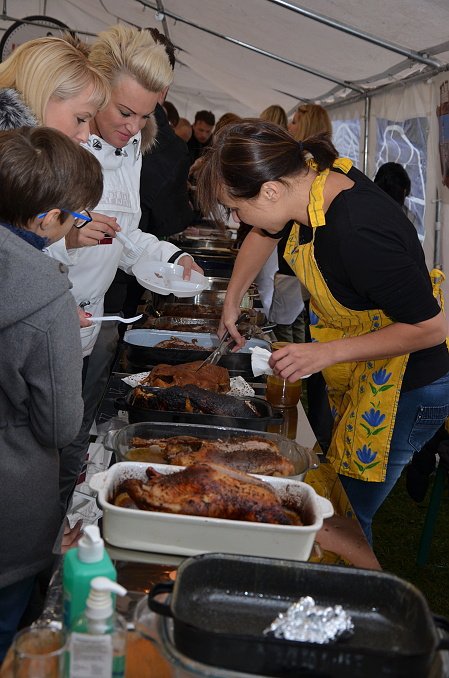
(80, 566)
(97, 645)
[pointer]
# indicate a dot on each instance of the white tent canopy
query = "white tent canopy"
(378, 66)
(243, 55)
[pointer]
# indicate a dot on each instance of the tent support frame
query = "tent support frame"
(257, 50)
(345, 28)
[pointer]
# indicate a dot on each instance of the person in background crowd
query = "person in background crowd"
(286, 305)
(226, 119)
(275, 114)
(184, 129)
(383, 354)
(202, 130)
(307, 119)
(137, 69)
(47, 183)
(171, 113)
(392, 178)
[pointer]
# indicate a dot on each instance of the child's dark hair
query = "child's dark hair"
(42, 169)
(247, 154)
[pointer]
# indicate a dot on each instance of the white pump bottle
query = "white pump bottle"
(98, 638)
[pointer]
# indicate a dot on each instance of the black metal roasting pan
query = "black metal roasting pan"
(220, 605)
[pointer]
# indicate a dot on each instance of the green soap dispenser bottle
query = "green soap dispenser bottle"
(97, 645)
(80, 566)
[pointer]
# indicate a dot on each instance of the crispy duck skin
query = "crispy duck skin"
(210, 490)
(253, 454)
(192, 399)
(211, 377)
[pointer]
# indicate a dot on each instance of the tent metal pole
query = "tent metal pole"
(381, 89)
(345, 28)
(366, 133)
(257, 50)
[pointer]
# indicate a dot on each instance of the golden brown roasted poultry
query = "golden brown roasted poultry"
(209, 490)
(251, 454)
(210, 377)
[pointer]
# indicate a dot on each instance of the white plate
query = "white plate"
(167, 278)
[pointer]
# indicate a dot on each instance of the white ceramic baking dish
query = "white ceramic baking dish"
(184, 535)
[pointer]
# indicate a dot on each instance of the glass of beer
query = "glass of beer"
(39, 652)
(281, 392)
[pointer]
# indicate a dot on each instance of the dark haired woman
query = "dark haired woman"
(378, 333)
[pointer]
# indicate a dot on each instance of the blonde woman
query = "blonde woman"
(275, 114)
(308, 120)
(137, 66)
(49, 81)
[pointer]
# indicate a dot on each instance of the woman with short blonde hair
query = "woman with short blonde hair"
(51, 68)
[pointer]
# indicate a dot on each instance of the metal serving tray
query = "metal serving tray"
(222, 603)
(184, 535)
(121, 442)
(141, 350)
(137, 413)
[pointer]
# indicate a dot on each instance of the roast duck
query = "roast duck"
(207, 490)
(253, 454)
(178, 343)
(211, 377)
(191, 398)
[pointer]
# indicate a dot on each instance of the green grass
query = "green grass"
(397, 530)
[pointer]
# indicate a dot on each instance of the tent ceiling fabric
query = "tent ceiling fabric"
(213, 73)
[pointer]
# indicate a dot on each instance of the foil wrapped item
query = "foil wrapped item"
(308, 622)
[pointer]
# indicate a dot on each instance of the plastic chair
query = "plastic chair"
(441, 476)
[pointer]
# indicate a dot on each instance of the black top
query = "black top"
(164, 197)
(370, 257)
(196, 148)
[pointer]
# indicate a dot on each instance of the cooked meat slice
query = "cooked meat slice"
(177, 342)
(210, 490)
(211, 377)
(251, 455)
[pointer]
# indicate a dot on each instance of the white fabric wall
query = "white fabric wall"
(402, 103)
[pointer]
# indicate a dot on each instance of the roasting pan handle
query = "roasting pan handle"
(155, 605)
(443, 624)
(109, 439)
(326, 506)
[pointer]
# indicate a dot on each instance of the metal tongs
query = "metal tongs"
(225, 345)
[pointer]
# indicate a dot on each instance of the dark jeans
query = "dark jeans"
(13, 602)
(420, 414)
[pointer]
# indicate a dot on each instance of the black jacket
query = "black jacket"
(163, 183)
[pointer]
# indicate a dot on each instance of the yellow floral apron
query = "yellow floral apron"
(363, 395)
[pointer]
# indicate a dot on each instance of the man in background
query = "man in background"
(202, 130)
